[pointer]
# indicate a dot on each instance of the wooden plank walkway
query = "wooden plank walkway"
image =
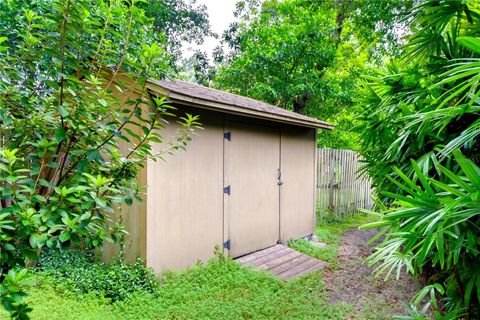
(282, 262)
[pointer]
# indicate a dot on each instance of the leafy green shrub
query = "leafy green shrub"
(328, 216)
(421, 143)
(12, 293)
(62, 168)
(79, 271)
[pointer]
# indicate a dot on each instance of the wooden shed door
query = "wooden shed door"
(252, 209)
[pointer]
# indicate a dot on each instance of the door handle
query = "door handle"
(279, 177)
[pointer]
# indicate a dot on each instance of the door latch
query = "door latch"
(279, 177)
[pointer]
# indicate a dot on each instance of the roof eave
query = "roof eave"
(175, 97)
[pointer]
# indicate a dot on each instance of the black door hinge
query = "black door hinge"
(226, 245)
(227, 135)
(226, 190)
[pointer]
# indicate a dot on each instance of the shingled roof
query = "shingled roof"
(204, 97)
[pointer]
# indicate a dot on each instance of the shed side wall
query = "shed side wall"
(185, 198)
(133, 217)
(297, 209)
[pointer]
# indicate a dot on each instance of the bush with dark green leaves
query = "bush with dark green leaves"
(80, 272)
(62, 169)
(421, 142)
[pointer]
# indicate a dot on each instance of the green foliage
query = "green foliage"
(284, 52)
(220, 289)
(180, 21)
(12, 293)
(79, 272)
(62, 66)
(329, 230)
(286, 55)
(199, 68)
(306, 55)
(327, 254)
(436, 231)
(342, 137)
(420, 138)
(61, 171)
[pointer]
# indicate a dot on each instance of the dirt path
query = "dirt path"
(353, 283)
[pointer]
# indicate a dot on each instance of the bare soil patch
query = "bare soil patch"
(353, 283)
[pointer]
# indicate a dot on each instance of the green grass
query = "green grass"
(327, 254)
(330, 230)
(218, 290)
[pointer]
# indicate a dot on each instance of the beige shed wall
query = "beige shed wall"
(134, 220)
(297, 205)
(133, 216)
(185, 198)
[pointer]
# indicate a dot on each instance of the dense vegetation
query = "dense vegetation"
(406, 77)
(420, 133)
(73, 285)
(61, 168)
(218, 290)
(177, 21)
(80, 272)
(305, 56)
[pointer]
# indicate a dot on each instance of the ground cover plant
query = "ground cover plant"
(329, 230)
(220, 289)
(72, 284)
(80, 272)
(420, 138)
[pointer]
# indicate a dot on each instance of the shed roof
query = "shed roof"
(199, 96)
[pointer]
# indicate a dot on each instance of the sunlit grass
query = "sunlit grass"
(329, 231)
(219, 290)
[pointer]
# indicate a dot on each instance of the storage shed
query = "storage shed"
(245, 182)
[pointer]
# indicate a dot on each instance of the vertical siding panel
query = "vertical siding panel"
(184, 230)
(299, 167)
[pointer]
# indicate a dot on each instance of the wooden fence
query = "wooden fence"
(340, 188)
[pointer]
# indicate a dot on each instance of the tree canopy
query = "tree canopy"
(305, 55)
(180, 21)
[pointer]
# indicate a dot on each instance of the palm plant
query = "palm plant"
(421, 132)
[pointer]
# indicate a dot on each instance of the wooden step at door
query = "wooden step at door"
(282, 261)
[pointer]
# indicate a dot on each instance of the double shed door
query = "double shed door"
(252, 197)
